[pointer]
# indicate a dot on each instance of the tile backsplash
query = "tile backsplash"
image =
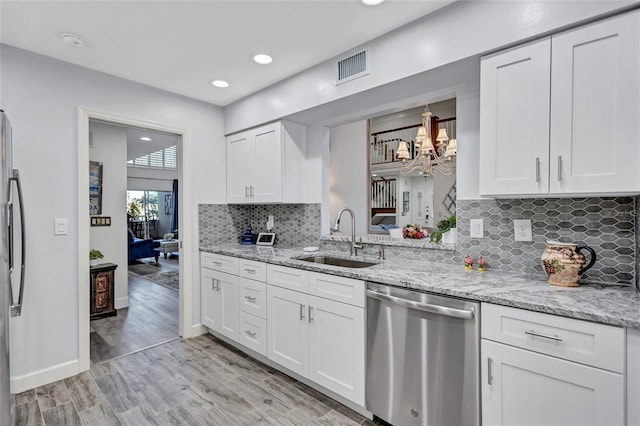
(608, 225)
(295, 224)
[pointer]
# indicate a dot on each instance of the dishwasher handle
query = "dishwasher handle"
(427, 307)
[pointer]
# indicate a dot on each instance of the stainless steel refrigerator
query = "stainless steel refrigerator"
(12, 256)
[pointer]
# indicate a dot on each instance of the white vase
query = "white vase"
(450, 237)
(94, 262)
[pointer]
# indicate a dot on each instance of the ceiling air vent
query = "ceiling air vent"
(353, 66)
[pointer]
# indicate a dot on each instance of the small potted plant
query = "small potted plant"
(446, 231)
(95, 256)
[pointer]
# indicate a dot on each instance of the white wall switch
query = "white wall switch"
(60, 227)
(522, 230)
(476, 227)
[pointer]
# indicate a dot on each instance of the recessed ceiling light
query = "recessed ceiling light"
(220, 83)
(262, 59)
(145, 138)
(372, 2)
(72, 39)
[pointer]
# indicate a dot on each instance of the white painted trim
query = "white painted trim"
(185, 223)
(633, 377)
(46, 376)
(121, 302)
(198, 329)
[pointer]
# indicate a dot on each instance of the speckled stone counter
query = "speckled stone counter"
(615, 305)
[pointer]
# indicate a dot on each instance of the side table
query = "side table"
(102, 295)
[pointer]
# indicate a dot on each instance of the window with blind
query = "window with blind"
(162, 159)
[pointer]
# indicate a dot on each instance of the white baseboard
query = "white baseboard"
(122, 302)
(44, 377)
(197, 330)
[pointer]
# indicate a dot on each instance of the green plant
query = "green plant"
(443, 226)
(134, 209)
(95, 254)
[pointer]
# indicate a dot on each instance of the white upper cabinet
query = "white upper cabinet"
(267, 164)
(514, 121)
(559, 116)
(595, 108)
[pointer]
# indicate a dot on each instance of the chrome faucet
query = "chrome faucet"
(354, 246)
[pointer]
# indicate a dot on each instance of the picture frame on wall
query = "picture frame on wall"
(95, 187)
(167, 204)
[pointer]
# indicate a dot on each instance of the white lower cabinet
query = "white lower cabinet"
(336, 347)
(540, 369)
(220, 302)
(318, 338)
(521, 387)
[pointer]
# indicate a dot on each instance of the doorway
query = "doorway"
(183, 319)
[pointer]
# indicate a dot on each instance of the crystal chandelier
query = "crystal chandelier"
(427, 159)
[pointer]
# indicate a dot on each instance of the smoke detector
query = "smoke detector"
(72, 40)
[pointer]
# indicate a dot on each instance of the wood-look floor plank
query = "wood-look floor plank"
(24, 397)
(282, 389)
(260, 398)
(51, 395)
(137, 417)
(64, 414)
(334, 418)
(157, 395)
(117, 392)
(84, 391)
(99, 415)
(176, 416)
(29, 414)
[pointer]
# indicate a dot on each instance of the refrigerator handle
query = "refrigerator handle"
(16, 308)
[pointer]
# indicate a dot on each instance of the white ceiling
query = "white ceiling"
(180, 46)
(137, 148)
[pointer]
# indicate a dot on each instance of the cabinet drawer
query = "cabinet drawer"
(585, 342)
(253, 333)
(341, 289)
(252, 269)
(219, 262)
(253, 297)
(291, 278)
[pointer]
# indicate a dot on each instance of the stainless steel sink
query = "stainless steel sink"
(338, 261)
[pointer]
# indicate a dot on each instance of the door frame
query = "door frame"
(184, 222)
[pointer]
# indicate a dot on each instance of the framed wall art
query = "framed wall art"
(95, 187)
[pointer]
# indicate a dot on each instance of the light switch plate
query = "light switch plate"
(522, 230)
(476, 227)
(60, 227)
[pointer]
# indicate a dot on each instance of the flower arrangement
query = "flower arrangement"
(415, 232)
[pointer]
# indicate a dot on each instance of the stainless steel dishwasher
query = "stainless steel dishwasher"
(422, 358)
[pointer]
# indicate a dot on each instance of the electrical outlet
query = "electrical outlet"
(476, 228)
(522, 230)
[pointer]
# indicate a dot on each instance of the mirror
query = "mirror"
(419, 196)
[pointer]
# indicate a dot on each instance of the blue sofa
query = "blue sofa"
(141, 248)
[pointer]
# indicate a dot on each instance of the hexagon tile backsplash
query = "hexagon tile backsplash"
(608, 225)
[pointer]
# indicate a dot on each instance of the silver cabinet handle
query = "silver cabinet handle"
(250, 333)
(537, 169)
(249, 269)
(218, 284)
(310, 311)
(427, 307)
(16, 308)
(559, 168)
(489, 376)
(213, 282)
(246, 191)
(251, 298)
(302, 312)
(216, 262)
(544, 336)
(251, 191)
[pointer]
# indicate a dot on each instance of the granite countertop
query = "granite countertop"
(608, 304)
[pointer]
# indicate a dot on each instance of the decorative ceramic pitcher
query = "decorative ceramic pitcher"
(564, 263)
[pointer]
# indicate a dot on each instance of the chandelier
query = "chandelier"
(428, 159)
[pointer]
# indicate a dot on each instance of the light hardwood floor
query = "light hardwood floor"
(197, 381)
(152, 318)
